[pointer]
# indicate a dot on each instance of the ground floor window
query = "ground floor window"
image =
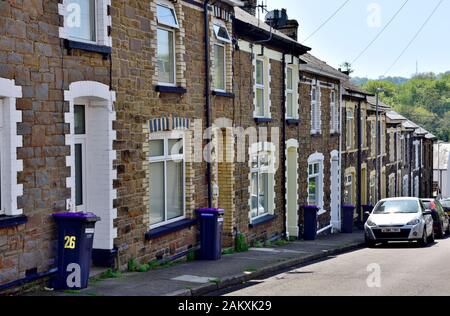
(405, 186)
(315, 180)
(261, 181)
(167, 178)
(373, 190)
(391, 185)
(348, 193)
(10, 190)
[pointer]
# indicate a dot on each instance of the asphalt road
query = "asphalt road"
(396, 269)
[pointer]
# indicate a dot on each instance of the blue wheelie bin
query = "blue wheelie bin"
(310, 222)
(75, 241)
(348, 212)
(210, 223)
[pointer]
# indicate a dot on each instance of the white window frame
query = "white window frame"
(405, 186)
(257, 150)
(224, 68)
(169, 84)
(316, 118)
(216, 32)
(10, 189)
(416, 151)
(171, 29)
(392, 147)
(392, 187)
(293, 91)
(363, 129)
(81, 139)
(264, 87)
(101, 24)
(372, 188)
(317, 158)
(350, 126)
(382, 138)
(400, 138)
(2, 168)
(334, 111)
(373, 134)
(166, 136)
(169, 6)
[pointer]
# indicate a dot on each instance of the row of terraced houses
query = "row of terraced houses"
(143, 111)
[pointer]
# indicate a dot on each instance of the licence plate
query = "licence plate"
(390, 230)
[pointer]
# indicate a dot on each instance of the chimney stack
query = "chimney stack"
(250, 6)
(279, 21)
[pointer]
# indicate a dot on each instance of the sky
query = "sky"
(359, 21)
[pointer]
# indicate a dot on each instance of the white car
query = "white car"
(399, 219)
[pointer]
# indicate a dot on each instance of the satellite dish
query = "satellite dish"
(277, 18)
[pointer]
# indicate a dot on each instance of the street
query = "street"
(396, 269)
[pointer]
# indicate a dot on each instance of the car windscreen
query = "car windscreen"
(426, 204)
(397, 207)
(445, 203)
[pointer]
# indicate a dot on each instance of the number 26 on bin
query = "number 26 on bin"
(69, 242)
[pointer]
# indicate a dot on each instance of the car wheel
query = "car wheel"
(370, 243)
(432, 238)
(441, 232)
(424, 240)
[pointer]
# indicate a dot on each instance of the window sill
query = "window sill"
(169, 228)
(292, 121)
(104, 50)
(223, 94)
(262, 220)
(170, 89)
(263, 119)
(11, 221)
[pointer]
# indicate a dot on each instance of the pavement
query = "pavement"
(397, 269)
(198, 278)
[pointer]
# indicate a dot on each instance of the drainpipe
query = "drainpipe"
(283, 146)
(358, 171)
(207, 97)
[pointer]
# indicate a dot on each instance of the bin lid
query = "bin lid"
(218, 211)
(311, 207)
(81, 216)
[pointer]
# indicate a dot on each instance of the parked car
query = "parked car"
(440, 217)
(399, 219)
(446, 205)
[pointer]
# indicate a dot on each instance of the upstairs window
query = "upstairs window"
(363, 129)
(86, 21)
(81, 19)
(373, 133)
(391, 147)
(350, 129)
(166, 61)
(165, 15)
(262, 107)
(315, 110)
(334, 112)
(222, 38)
(221, 33)
(292, 92)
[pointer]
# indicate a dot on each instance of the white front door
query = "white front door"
(335, 212)
(291, 192)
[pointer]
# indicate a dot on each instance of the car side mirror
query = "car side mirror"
(427, 212)
(367, 214)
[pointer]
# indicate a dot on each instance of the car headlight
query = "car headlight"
(370, 223)
(414, 222)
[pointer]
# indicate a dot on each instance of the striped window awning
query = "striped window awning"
(168, 123)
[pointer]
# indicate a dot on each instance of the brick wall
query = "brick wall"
(32, 54)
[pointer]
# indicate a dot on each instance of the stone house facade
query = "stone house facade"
(108, 112)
